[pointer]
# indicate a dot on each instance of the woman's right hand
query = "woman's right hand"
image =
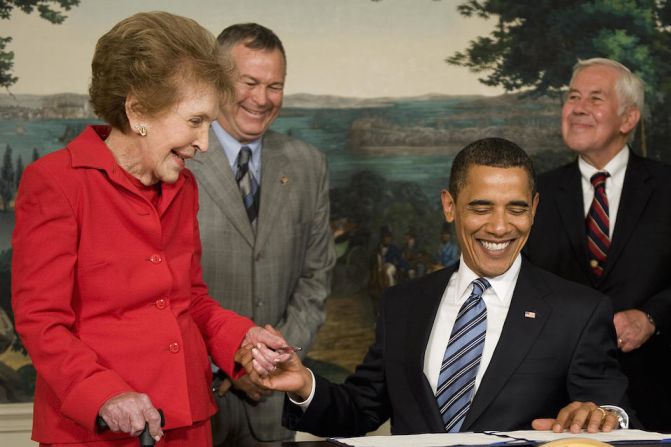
(128, 413)
(290, 375)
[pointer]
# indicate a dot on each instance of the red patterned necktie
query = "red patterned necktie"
(598, 241)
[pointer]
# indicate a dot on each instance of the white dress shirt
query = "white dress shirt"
(459, 288)
(616, 168)
(232, 149)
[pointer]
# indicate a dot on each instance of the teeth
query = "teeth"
(254, 112)
(495, 246)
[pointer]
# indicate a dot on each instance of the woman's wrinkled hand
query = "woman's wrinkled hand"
(129, 412)
(268, 344)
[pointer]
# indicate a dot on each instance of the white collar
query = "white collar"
(614, 167)
(232, 146)
(501, 285)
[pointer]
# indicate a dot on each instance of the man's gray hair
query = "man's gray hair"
(630, 88)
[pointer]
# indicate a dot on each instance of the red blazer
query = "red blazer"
(108, 295)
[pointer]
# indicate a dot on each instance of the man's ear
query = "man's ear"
(631, 116)
(449, 205)
(534, 206)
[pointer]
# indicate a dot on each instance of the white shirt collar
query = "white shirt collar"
(232, 147)
(615, 167)
(502, 285)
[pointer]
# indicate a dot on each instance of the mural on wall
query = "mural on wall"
(389, 90)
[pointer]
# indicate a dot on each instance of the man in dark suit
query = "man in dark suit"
(271, 258)
(548, 354)
(630, 259)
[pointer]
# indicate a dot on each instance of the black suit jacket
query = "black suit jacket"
(637, 274)
(567, 352)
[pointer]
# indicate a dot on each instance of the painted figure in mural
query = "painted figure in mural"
(549, 350)
(448, 252)
(271, 256)
(107, 289)
(385, 264)
(414, 259)
(624, 252)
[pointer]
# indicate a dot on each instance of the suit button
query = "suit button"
(258, 256)
(259, 303)
(593, 263)
(156, 259)
(174, 347)
(161, 303)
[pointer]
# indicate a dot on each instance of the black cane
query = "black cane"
(145, 437)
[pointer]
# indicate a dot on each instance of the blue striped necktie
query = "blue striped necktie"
(249, 187)
(598, 240)
(456, 383)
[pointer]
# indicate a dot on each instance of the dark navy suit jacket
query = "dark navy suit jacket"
(566, 353)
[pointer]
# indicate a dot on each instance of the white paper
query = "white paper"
(500, 438)
(613, 436)
(423, 440)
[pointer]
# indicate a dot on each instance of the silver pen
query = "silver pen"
(290, 348)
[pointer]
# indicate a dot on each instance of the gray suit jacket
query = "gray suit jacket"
(281, 274)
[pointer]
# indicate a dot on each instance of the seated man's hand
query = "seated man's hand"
(289, 375)
(577, 416)
(268, 344)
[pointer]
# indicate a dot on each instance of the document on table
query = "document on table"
(423, 440)
(499, 438)
(615, 436)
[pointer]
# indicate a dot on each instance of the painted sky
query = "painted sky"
(356, 48)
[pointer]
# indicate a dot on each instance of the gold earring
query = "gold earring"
(141, 129)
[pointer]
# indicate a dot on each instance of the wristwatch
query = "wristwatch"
(622, 416)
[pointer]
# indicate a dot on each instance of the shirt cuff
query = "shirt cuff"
(306, 403)
(622, 416)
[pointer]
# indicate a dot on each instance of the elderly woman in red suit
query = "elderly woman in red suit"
(107, 287)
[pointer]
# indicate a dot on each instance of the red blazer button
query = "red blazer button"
(174, 348)
(156, 259)
(161, 303)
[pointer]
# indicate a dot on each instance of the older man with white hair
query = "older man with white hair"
(604, 220)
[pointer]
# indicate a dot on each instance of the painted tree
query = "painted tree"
(536, 43)
(19, 171)
(7, 186)
(46, 9)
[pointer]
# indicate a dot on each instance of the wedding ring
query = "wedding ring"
(603, 412)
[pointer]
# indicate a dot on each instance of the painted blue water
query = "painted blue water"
(327, 129)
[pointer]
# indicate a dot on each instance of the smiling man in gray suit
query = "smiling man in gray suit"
(269, 257)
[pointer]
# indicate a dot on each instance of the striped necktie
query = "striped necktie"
(598, 241)
(456, 383)
(249, 188)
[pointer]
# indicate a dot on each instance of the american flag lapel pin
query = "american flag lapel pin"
(529, 314)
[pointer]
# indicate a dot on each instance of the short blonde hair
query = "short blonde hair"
(149, 55)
